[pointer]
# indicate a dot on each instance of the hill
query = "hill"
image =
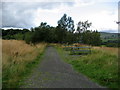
(110, 39)
(105, 36)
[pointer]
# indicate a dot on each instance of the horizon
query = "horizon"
(107, 31)
(102, 14)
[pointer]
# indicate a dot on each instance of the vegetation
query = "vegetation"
(64, 32)
(14, 34)
(17, 60)
(110, 39)
(101, 66)
(22, 48)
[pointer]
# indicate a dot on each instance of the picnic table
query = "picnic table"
(68, 47)
(77, 50)
(81, 50)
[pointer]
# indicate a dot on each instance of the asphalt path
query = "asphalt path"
(53, 72)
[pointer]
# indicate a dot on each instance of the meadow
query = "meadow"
(18, 58)
(101, 65)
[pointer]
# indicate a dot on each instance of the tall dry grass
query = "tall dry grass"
(15, 57)
(110, 50)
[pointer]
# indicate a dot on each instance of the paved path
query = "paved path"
(52, 72)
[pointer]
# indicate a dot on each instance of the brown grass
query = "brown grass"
(15, 56)
(19, 51)
(110, 50)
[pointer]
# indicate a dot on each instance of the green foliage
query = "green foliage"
(14, 34)
(43, 33)
(91, 38)
(66, 23)
(19, 36)
(63, 33)
(110, 44)
(87, 36)
(82, 26)
(65, 30)
(110, 39)
(109, 36)
(28, 37)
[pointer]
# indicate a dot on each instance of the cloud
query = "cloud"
(104, 20)
(22, 14)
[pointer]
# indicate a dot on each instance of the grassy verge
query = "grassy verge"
(101, 66)
(18, 59)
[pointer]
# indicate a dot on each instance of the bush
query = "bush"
(28, 37)
(19, 36)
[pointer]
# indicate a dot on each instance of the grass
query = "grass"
(18, 58)
(101, 66)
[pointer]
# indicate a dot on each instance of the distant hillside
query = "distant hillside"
(109, 36)
(110, 39)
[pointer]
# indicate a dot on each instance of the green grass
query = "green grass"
(29, 68)
(17, 82)
(99, 66)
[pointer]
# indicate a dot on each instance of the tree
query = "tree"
(83, 26)
(91, 37)
(61, 34)
(70, 24)
(96, 40)
(65, 25)
(86, 37)
(62, 23)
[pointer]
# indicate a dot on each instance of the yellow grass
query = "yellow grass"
(17, 54)
(110, 50)
(19, 51)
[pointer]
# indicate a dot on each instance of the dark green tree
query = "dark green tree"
(91, 37)
(96, 39)
(65, 25)
(83, 26)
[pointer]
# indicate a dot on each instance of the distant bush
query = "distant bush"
(28, 37)
(111, 43)
(14, 34)
(19, 36)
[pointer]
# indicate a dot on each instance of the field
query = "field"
(17, 60)
(100, 66)
(107, 36)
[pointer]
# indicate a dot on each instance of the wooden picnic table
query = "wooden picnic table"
(81, 50)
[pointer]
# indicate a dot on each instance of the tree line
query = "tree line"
(64, 32)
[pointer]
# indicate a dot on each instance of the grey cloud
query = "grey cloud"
(21, 14)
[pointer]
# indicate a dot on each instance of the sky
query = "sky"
(26, 14)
